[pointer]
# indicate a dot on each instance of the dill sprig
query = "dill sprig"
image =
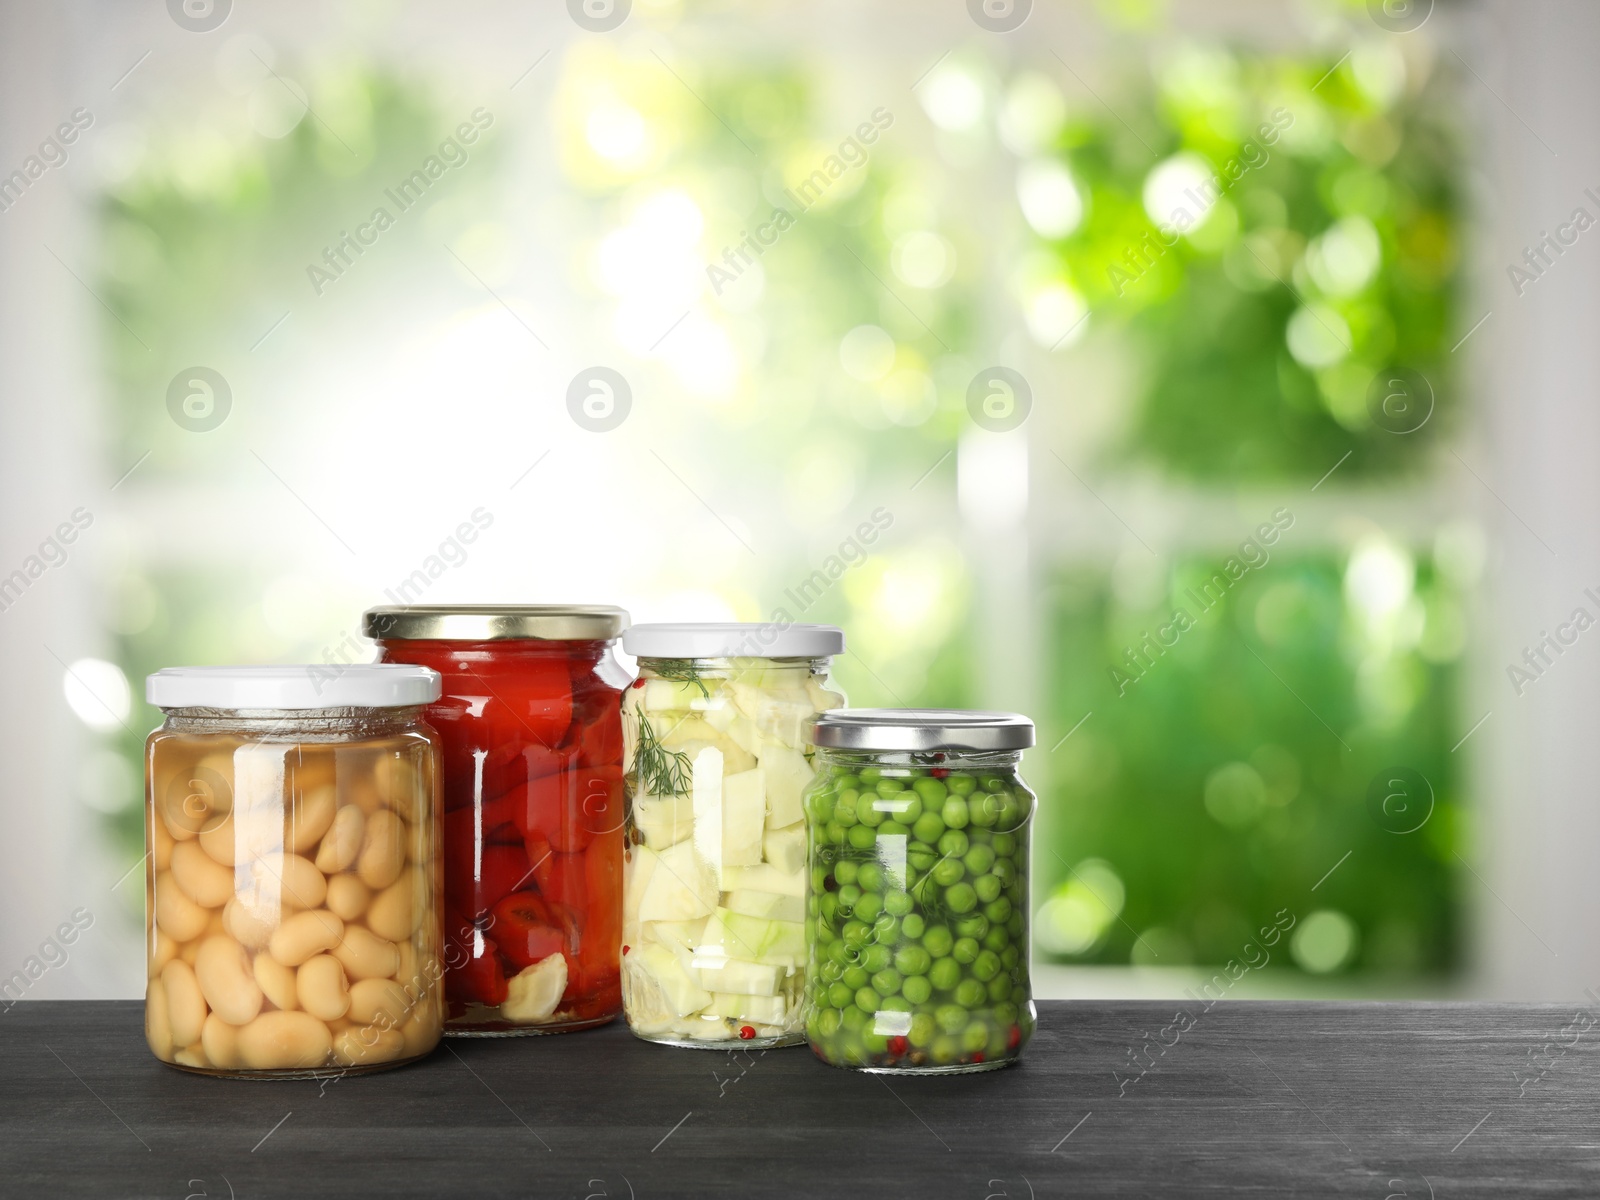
(663, 772)
(680, 670)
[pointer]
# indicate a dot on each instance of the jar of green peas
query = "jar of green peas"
(917, 924)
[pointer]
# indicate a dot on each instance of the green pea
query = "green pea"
(1004, 872)
(888, 786)
(844, 809)
(991, 782)
(917, 989)
(886, 982)
(828, 907)
(868, 874)
(854, 977)
(997, 1047)
(978, 859)
(886, 929)
(840, 995)
(845, 871)
(914, 926)
(875, 1043)
(999, 988)
(987, 887)
(892, 829)
(1008, 957)
(867, 1000)
(1005, 844)
(952, 1018)
(1014, 925)
(829, 971)
(984, 809)
(947, 871)
(960, 784)
(986, 965)
(945, 1050)
(856, 932)
(974, 926)
(954, 813)
(998, 911)
(875, 958)
(932, 791)
(826, 1023)
(960, 898)
(921, 859)
(1019, 995)
(849, 896)
(969, 993)
(852, 1018)
(871, 774)
(954, 843)
(938, 940)
(840, 952)
(819, 805)
(862, 837)
(912, 960)
(965, 950)
(838, 769)
(923, 1029)
(868, 814)
(928, 827)
(904, 807)
(898, 903)
(835, 833)
(871, 904)
(975, 1037)
(944, 974)
(998, 940)
(895, 1004)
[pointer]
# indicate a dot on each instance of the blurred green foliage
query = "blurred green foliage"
(1328, 261)
(1219, 778)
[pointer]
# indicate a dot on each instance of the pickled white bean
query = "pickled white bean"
(361, 1045)
(204, 880)
(284, 1041)
(309, 817)
(396, 911)
(322, 988)
(223, 971)
(342, 842)
(176, 914)
(161, 844)
(276, 981)
(397, 784)
(220, 1041)
(191, 1056)
(157, 1025)
(365, 955)
(186, 1006)
(304, 934)
(383, 850)
(166, 949)
(372, 999)
(251, 927)
(348, 897)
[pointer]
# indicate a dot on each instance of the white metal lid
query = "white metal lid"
(733, 639)
(922, 729)
(313, 685)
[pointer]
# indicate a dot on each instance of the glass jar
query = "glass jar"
(533, 815)
(918, 934)
(717, 756)
(292, 884)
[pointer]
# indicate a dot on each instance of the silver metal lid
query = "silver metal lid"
(313, 686)
(733, 639)
(494, 622)
(922, 729)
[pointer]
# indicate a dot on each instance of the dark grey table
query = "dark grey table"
(1268, 1099)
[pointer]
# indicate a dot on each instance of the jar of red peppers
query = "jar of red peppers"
(531, 767)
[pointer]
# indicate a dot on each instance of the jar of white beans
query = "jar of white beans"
(293, 881)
